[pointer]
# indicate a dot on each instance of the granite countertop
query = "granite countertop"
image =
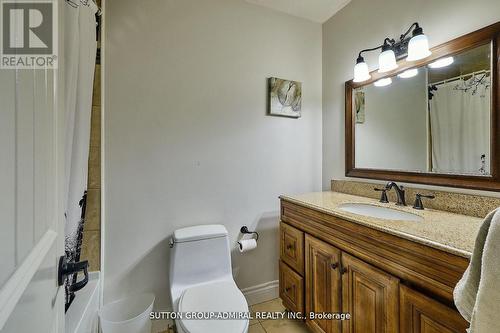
(442, 230)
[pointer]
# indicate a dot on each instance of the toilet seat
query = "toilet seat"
(215, 297)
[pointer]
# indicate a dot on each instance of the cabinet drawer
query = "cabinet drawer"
(291, 288)
(292, 247)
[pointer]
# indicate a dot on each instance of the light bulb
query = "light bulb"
(387, 61)
(443, 62)
(408, 73)
(418, 48)
(383, 82)
(361, 72)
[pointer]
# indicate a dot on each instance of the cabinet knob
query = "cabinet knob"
(335, 265)
(343, 270)
(290, 247)
(287, 289)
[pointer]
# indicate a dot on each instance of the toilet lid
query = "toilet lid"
(219, 298)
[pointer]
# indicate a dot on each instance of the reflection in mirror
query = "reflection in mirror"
(435, 118)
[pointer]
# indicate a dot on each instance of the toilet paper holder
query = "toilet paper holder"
(244, 230)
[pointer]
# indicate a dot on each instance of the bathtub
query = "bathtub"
(82, 316)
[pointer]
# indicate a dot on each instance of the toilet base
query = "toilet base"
(178, 328)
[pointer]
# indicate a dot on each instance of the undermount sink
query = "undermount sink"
(379, 212)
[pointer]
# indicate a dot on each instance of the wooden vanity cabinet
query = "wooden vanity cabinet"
(387, 284)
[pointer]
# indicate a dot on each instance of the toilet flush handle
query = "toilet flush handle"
(171, 243)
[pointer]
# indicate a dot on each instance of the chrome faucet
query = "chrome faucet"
(400, 192)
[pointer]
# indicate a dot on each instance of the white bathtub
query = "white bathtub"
(82, 315)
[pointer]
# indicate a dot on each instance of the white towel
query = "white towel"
(477, 294)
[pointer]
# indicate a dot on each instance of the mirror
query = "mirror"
(433, 121)
(434, 118)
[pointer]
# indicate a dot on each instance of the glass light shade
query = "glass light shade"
(361, 72)
(418, 48)
(383, 82)
(409, 73)
(387, 61)
(443, 62)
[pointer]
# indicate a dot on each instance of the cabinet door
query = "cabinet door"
(292, 247)
(322, 284)
(291, 289)
(421, 314)
(371, 296)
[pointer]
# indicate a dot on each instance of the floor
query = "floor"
(273, 326)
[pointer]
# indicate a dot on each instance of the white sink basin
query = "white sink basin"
(379, 212)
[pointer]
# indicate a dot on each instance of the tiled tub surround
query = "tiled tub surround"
(445, 231)
(91, 245)
(459, 203)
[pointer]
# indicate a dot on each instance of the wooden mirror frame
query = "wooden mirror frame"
(491, 182)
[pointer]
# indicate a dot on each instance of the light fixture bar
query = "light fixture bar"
(413, 48)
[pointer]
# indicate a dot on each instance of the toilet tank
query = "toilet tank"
(199, 254)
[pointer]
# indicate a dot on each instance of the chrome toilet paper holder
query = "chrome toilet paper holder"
(244, 230)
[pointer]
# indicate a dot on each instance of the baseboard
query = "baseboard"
(262, 292)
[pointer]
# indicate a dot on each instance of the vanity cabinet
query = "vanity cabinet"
(386, 283)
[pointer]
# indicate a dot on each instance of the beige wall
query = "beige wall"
(365, 23)
(187, 138)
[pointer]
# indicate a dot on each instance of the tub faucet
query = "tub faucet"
(400, 192)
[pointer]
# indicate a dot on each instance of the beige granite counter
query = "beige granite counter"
(442, 230)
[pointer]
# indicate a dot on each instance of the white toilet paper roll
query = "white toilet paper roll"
(246, 245)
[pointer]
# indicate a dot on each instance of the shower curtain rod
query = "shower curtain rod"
(485, 71)
(85, 3)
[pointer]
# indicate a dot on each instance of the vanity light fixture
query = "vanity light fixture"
(408, 73)
(443, 62)
(414, 48)
(383, 82)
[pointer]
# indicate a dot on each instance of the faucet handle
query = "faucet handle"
(383, 195)
(418, 200)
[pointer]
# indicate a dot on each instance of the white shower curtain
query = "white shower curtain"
(80, 52)
(460, 129)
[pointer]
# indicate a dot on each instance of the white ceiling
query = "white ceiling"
(314, 10)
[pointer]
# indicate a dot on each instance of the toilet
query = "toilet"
(201, 281)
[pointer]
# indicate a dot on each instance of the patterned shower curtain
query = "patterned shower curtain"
(460, 127)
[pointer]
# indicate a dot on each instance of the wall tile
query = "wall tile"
(95, 127)
(93, 213)
(96, 96)
(94, 181)
(91, 249)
